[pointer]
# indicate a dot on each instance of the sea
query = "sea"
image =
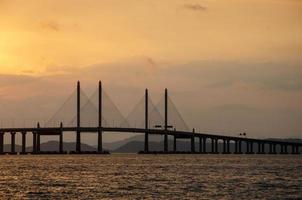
(134, 176)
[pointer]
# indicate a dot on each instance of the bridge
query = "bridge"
(93, 115)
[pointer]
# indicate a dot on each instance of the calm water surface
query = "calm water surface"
(151, 177)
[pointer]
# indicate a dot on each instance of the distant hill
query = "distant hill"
(112, 146)
(136, 144)
(185, 145)
(52, 146)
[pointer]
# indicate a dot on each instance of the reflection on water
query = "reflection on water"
(151, 176)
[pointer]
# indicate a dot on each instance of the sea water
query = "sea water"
(132, 176)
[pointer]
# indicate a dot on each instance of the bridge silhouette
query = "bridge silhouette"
(98, 114)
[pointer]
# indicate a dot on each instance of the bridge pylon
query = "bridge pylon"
(78, 136)
(166, 122)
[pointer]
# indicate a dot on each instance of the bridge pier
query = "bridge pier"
(224, 146)
(296, 149)
(174, 144)
(239, 147)
(34, 151)
(259, 147)
(78, 142)
(212, 145)
(166, 143)
(204, 145)
(2, 142)
(293, 149)
(38, 142)
(216, 146)
(146, 142)
(193, 142)
(274, 149)
(200, 144)
(78, 136)
(61, 142)
(61, 138)
(100, 131)
(228, 146)
(285, 149)
(13, 142)
(166, 122)
(247, 147)
(100, 141)
(281, 149)
(23, 142)
(146, 122)
(251, 147)
(270, 148)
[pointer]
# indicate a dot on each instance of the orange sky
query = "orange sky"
(237, 62)
(40, 35)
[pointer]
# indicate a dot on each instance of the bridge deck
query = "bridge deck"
(178, 134)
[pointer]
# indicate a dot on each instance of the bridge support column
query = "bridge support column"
(285, 149)
(1, 142)
(224, 146)
(192, 144)
(23, 142)
(165, 143)
(204, 145)
(239, 147)
(146, 142)
(281, 149)
(263, 148)
(212, 145)
(247, 147)
(293, 149)
(78, 142)
(38, 142)
(166, 121)
(200, 144)
(274, 149)
(78, 136)
(100, 132)
(259, 147)
(270, 148)
(228, 146)
(61, 143)
(236, 146)
(216, 146)
(100, 141)
(251, 147)
(34, 142)
(174, 144)
(61, 138)
(13, 142)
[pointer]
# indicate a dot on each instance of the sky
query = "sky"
(230, 66)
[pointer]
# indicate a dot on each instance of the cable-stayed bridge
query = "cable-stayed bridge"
(98, 114)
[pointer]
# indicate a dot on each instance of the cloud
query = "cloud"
(50, 25)
(194, 7)
(261, 75)
(12, 80)
(235, 107)
(28, 71)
